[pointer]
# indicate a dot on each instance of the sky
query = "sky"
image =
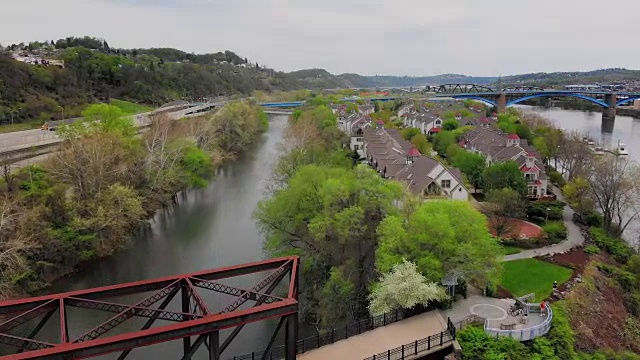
(384, 37)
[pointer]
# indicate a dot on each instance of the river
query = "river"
(625, 129)
(207, 228)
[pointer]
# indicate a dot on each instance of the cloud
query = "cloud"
(414, 37)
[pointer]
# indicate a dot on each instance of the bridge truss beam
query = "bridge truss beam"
(195, 319)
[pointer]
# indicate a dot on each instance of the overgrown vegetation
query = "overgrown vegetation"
(96, 191)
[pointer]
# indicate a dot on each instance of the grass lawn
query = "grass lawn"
(130, 108)
(526, 276)
(6, 128)
(510, 250)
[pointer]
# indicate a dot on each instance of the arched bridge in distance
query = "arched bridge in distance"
(504, 98)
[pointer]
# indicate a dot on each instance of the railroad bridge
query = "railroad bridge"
(196, 321)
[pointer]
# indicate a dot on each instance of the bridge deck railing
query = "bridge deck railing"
(337, 334)
(417, 347)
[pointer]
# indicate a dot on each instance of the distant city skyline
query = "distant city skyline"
(377, 37)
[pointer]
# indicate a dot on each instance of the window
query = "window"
(530, 176)
(445, 184)
(356, 147)
(359, 139)
(532, 191)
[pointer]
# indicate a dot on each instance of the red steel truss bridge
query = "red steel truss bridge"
(196, 321)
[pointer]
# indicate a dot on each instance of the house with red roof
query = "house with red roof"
(498, 147)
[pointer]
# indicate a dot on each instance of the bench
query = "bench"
(507, 326)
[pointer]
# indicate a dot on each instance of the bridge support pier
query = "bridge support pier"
(502, 102)
(291, 337)
(609, 114)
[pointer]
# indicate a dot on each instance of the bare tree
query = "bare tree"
(163, 152)
(92, 163)
(575, 157)
(7, 174)
(15, 241)
(616, 192)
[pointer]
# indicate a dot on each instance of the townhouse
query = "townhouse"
(498, 147)
(397, 159)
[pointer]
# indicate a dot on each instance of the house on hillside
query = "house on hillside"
(498, 147)
(397, 159)
(366, 109)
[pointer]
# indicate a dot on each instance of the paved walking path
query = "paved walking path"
(381, 339)
(574, 236)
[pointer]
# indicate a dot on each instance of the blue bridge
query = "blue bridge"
(504, 98)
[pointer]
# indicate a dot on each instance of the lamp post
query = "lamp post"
(61, 112)
(14, 111)
(548, 209)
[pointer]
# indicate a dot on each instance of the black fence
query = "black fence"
(333, 335)
(419, 346)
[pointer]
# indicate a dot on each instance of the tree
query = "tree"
(505, 175)
(409, 133)
(450, 125)
(472, 165)
(502, 205)
(578, 194)
(440, 236)
(403, 288)
(113, 214)
(442, 141)
(329, 216)
(91, 163)
(616, 192)
(376, 106)
(575, 157)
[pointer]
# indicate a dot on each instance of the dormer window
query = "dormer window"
(513, 140)
(412, 155)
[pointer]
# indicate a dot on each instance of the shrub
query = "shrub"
(561, 335)
(591, 249)
(491, 290)
(530, 243)
(619, 249)
(555, 231)
(590, 218)
(556, 178)
(537, 210)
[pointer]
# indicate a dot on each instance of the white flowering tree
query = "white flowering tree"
(403, 287)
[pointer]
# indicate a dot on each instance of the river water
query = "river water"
(625, 129)
(207, 228)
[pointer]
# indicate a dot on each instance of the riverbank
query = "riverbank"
(60, 218)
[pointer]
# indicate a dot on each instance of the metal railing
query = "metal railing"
(420, 346)
(337, 334)
(524, 334)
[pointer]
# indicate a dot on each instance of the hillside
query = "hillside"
(95, 72)
(320, 78)
(603, 76)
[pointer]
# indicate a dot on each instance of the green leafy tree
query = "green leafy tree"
(472, 165)
(450, 125)
(329, 216)
(505, 175)
(403, 288)
(440, 236)
(442, 141)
